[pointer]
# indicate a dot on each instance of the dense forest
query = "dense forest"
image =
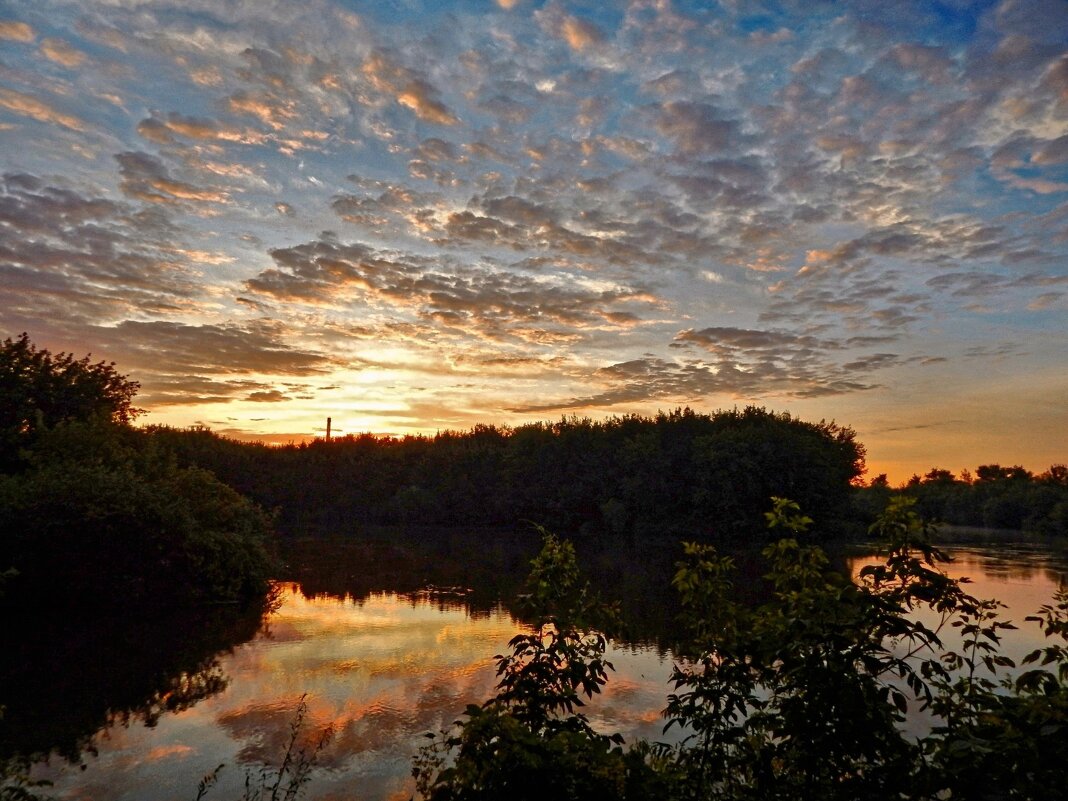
(677, 474)
(994, 497)
(632, 478)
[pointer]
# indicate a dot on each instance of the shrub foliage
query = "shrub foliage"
(802, 696)
(98, 513)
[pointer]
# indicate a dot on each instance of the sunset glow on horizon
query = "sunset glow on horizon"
(413, 216)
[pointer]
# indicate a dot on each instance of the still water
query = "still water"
(381, 667)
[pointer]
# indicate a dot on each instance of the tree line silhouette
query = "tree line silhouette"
(993, 496)
(630, 477)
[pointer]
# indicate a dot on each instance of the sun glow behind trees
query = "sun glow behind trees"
(423, 217)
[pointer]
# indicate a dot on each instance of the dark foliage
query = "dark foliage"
(39, 390)
(101, 518)
(800, 697)
(532, 738)
(994, 497)
(96, 513)
(624, 477)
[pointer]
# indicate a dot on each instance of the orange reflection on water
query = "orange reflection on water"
(378, 673)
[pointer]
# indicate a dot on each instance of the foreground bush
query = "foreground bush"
(801, 697)
(531, 740)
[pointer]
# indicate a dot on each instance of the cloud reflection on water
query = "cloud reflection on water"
(380, 672)
(384, 669)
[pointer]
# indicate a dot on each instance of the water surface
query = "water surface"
(380, 667)
(380, 672)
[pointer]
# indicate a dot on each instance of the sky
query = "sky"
(418, 216)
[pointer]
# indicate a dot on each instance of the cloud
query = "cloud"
(509, 111)
(1052, 152)
(84, 257)
(422, 98)
(15, 31)
(726, 338)
(696, 128)
(523, 225)
(786, 362)
(388, 204)
(480, 300)
(180, 363)
(271, 111)
(579, 34)
(32, 107)
(146, 178)
(409, 88)
(930, 62)
(164, 129)
(976, 284)
(860, 282)
(159, 390)
(108, 263)
(434, 149)
(473, 227)
(1048, 300)
(696, 381)
(267, 396)
(62, 53)
(512, 364)
(746, 363)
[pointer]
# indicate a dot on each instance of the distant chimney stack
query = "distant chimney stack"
(328, 420)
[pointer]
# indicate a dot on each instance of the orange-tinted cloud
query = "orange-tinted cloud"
(421, 98)
(580, 34)
(62, 53)
(409, 89)
(488, 302)
(15, 31)
(30, 106)
(145, 177)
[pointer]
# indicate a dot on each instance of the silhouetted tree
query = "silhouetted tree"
(39, 389)
(96, 512)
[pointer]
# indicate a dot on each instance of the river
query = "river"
(385, 643)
